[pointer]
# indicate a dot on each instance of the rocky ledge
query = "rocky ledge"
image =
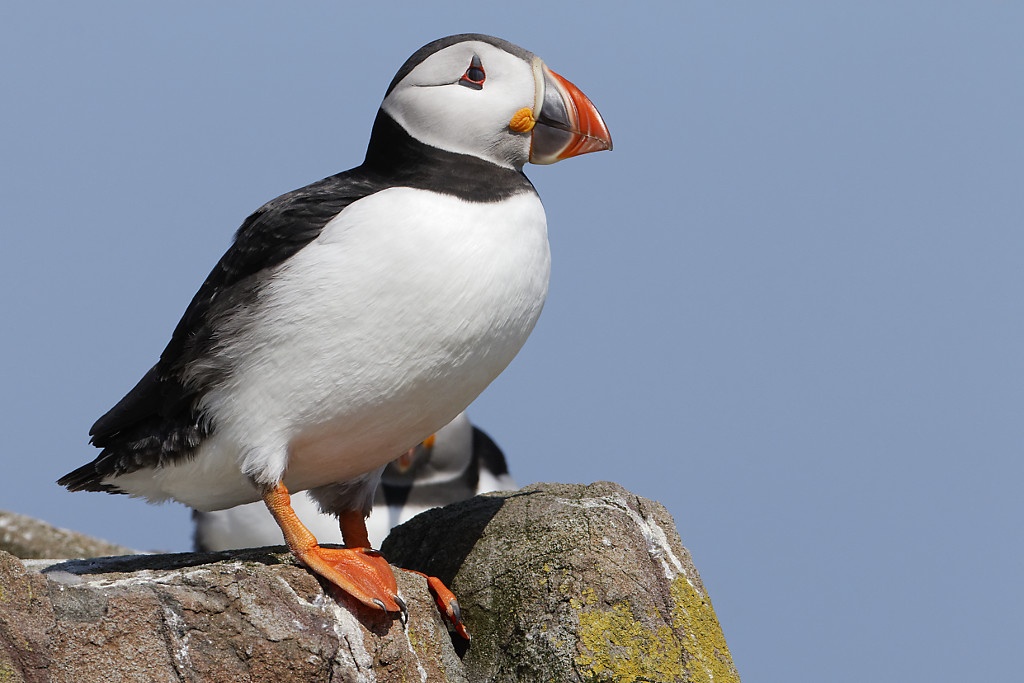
(556, 582)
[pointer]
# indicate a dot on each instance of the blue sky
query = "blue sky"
(787, 305)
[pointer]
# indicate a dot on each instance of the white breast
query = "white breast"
(369, 339)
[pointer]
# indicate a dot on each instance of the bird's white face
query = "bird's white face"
(462, 98)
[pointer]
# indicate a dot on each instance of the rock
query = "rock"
(565, 583)
(570, 583)
(30, 538)
(248, 615)
(26, 616)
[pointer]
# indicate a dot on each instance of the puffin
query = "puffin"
(457, 463)
(352, 318)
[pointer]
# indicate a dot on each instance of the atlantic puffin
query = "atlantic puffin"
(355, 316)
(457, 463)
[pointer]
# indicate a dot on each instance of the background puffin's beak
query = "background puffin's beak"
(568, 124)
(403, 462)
(406, 460)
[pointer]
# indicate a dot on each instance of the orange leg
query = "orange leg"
(446, 601)
(356, 569)
(353, 530)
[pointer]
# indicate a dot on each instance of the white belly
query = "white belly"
(371, 338)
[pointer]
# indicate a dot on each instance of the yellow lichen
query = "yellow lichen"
(415, 641)
(708, 657)
(617, 647)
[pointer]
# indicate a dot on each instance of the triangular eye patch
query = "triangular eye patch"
(475, 75)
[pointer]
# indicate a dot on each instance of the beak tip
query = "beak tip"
(575, 125)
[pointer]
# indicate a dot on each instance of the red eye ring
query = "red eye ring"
(475, 75)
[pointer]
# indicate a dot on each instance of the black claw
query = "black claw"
(380, 603)
(403, 610)
(456, 612)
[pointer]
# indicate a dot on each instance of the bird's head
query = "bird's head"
(442, 457)
(482, 96)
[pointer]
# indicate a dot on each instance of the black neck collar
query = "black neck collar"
(403, 160)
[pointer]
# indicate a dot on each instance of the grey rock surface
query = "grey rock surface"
(27, 537)
(242, 616)
(556, 582)
(570, 583)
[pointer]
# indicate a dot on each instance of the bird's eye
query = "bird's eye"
(474, 76)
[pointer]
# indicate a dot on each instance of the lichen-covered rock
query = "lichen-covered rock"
(570, 583)
(27, 537)
(563, 583)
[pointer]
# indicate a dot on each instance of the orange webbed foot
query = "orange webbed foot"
(360, 572)
(446, 601)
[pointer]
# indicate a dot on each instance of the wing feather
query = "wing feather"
(159, 420)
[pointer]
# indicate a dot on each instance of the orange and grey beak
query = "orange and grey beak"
(565, 122)
(406, 460)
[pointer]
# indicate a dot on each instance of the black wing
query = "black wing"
(487, 455)
(158, 421)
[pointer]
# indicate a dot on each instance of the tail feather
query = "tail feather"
(88, 477)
